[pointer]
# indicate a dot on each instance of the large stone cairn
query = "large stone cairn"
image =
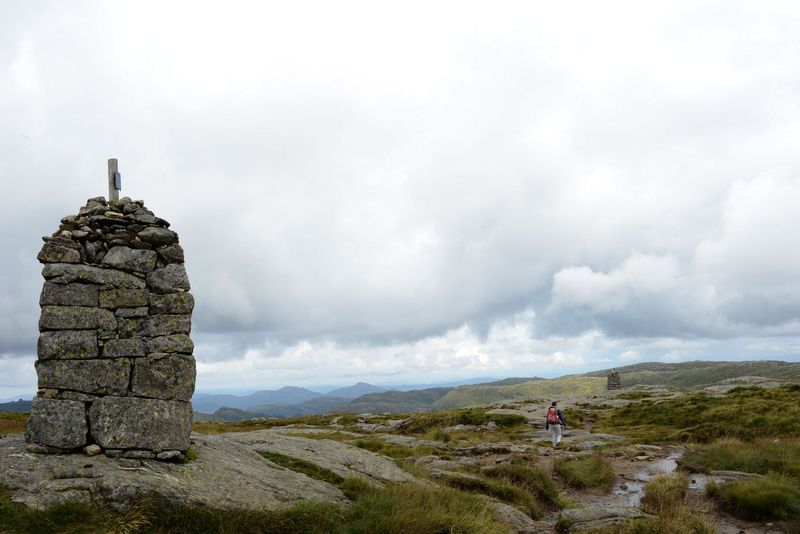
(115, 365)
(614, 381)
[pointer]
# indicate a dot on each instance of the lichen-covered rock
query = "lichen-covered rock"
(65, 273)
(175, 303)
(95, 377)
(131, 259)
(171, 253)
(123, 298)
(226, 475)
(155, 325)
(53, 252)
(158, 236)
(174, 343)
(124, 348)
(169, 279)
(141, 311)
(57, 423)
(76, 318)
(343, 459)
(164, 376)
(135, 423)
(68, 295)
(68, 344)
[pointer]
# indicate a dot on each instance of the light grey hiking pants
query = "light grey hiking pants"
(555, 431)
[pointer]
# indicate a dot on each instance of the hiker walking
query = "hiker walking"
(554, 422)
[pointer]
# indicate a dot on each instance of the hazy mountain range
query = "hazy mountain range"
(688, 375)
(293, 401)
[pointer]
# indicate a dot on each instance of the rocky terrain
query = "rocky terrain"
(242, 469)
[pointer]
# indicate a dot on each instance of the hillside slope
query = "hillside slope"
(700, 373)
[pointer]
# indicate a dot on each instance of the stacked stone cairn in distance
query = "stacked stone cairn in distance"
(614, 381)
(115, 366)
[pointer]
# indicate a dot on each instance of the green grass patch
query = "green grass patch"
(302, 466)
(760, 456)
(12, 423)
(250, 425)
(531, 479)
(335, 435)
(398, 508)
(743, 413)
(683, 521)
(760, 498)
(423, 423)
(665, 494)
(392, 450)
(406, 508)
(588, 471)
(499, 488)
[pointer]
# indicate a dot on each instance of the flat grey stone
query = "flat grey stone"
(131, 259)
(173, 343)
(580, 515)
(54, 253)
(164, 376)
(155, 325)
(171, 253)
(57, 423)
(124, 348)
(157, 236)
(134, 423)
(226, 475)
(65, 273)
(170, 456)
(95, 377)
(169, 279)
(343, 459)
(68, 295)
(68, 344)
(142, 311)
(139, 455)
(123, 298)
(76, 318)
(175, 303)
(75, 396)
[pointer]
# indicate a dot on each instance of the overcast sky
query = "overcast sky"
(420, 192)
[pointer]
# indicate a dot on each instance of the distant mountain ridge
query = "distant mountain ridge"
(687, 374)
(284, 395)
(356, 390)
(18, 406)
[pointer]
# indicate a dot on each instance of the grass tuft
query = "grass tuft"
(302, 466)
(589, 471)
(771, 497)
(665, 494)
(12, 423)
(396, 509)
(530, 479)
(744, 413)
(760, 456)
(501, 489)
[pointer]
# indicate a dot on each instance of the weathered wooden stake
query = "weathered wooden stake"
(113, 191)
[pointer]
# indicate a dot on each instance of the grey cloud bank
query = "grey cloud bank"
(369, 193)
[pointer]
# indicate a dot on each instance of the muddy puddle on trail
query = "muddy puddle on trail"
(631, 489)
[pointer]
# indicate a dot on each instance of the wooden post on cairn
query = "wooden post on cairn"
(114, 180)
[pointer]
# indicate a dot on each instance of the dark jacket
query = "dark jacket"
(560, 418)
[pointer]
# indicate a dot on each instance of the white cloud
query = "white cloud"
(340, 184)
(630, 356)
